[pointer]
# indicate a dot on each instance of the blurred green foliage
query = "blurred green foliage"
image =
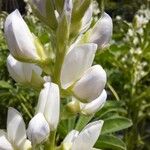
(127, 64)
(124, 8)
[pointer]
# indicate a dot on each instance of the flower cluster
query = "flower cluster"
(75, 42)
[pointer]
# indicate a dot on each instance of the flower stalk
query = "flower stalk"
(70, 71)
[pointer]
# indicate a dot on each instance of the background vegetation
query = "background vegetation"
(127, 65)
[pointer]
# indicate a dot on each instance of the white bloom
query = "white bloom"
(95, 105)
(15, 138)
(84, 140)
(91, 84)
(21, 42)
(49, 104)
(75, 106)
(87, 18)
(68, 6)
(23, 72)
(78, 59)
(38, 129)
(102, 31)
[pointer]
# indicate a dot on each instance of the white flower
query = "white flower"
(49, 104)
(102, 31)
(15, 138)
(68, 6)
(95, 105)
(87, 18)
(38, 129)
(22, 44)
(75, 106)
(78, 59)
(24, 73)
(84, 140)
(91, 84)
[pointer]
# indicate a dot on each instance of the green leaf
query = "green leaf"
(110, 106)
(82, 122)
(4, 84)
(115, 124)
(111, 142)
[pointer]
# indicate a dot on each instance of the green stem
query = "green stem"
(50, 145)
(102, 7)
(58, 64)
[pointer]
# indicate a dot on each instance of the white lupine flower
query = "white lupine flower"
(23, 72)
(95, 105)
(49, 104)
(102, 31)
(75, 106)
(84, 140)
(91, 84)
(69, 139)
(15, 138)
(21, 42)
(4, 143)
(68, 5)
(40, 6)
(38, 129)
(78, 59)
(87, 18)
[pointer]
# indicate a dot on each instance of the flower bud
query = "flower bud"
(84, 140)
(49, 104)
(62, 34)
(77, 60)
(68, 5)
(95, 105)
(86, 20)
(102, 31)
(22, 44)
(38, 129)
(91, 84)
(74, 106)
(24, 73)
(88, 136)
(81, 17)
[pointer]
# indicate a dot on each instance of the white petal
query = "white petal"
(77, 60)
(52, 107)
(26, 145)
(15, 127)
(38, 130)
(21, 72)
(92, 83)
(43, 97)
(102, 31)
(68, 5)
(86, 21)
(41, 6)
(4, 143)
(88, 136)
(15, 69)
(69, 139)
(19, 38)
(71, 136)
(95, 105)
